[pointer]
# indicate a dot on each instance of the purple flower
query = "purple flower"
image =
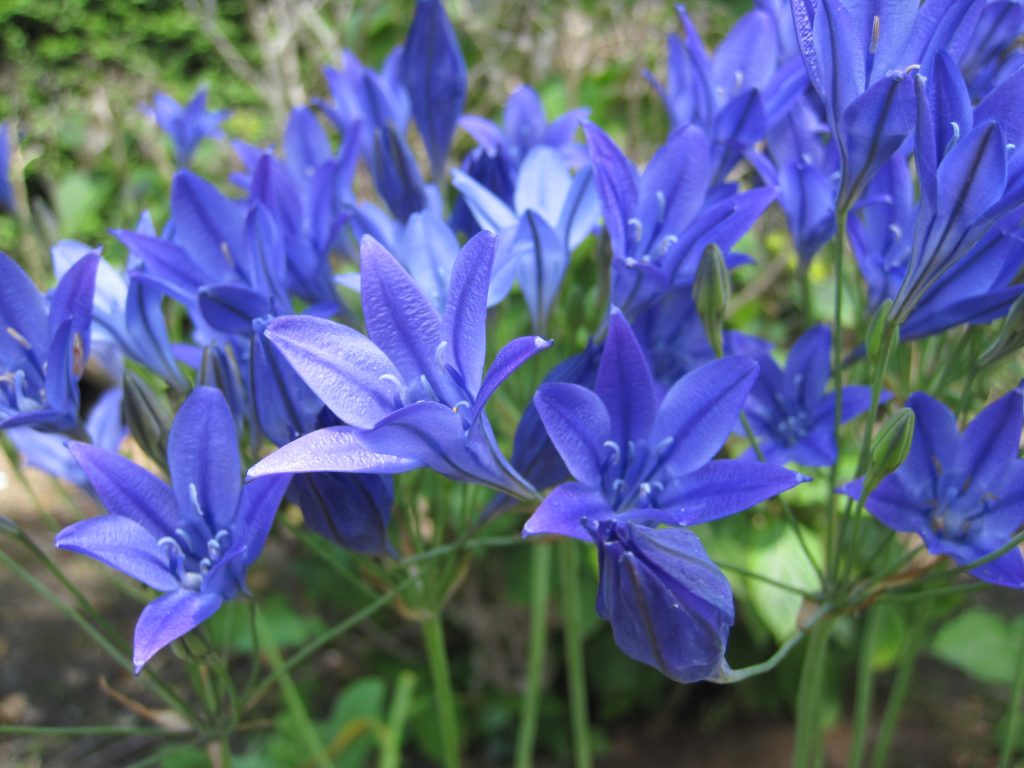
(43, 350)
(6, 190)
(186, 126)
(962, 493)
(194, 539)
(641, 460)
(434, 74)
(412, 391)
(790, 411)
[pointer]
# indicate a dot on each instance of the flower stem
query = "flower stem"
(307, 733)
(900, 685)
(529, 712)
(1011, 738)
(865, 689)
(807, 739)
(444, 696)
(569, 568)
(837, 386)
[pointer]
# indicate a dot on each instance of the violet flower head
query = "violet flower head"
(433, 72)
(641, 460)
(863, 60)
(963, 493)
(186, 126)
(192, 540)
(43, 350)
(790, 411)
(411, 392)
(7, 205)
(971, 174)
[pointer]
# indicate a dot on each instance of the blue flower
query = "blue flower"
(735, 94)
(790, 411)
(525, 126)
(194, 539)
(971, 174)
(993, 52)
(43, 351)
(962, 493)
(433, 72)
(412, 391)
(553, 213)
(860, 58)
(641, 460)
(660, 222)
(186, 126)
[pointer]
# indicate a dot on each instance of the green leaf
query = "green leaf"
(981, 644)
(781, 559)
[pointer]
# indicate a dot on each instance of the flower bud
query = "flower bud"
(890, 447)
(1011, 335)
(712, 290)
(148, 418)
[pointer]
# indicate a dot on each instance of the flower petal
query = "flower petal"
(578, 423)
(123, 544)
(169, 617)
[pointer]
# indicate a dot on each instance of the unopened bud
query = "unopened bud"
(712, 290)
(1011, 335)
(874, 339)
(148, 418)
(890, 447)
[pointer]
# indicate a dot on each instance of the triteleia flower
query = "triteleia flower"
(552, 213)
(790, 411)
(412, 391)
(525, 126)
(862, 58)
(961, 493)
(971, 174)
(186, 126)
(194, 539)
(433, 72)
(994, 51)
(660, 222)
(6, 189)
(43, 350)
(641, 460)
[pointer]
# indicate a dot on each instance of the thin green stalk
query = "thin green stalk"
(865, 689)
(837, 386)
(807, 738)
(878, 376)
(579, 714)
(736, 675)
(293, 699)
(444, 695)
(767, 580)
(529, 711)
(900, 686)
(1010, 738)
(81, 730)
(398, 716)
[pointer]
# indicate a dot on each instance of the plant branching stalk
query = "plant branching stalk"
(900, 685)
(865, 689)
(444, 695)
(839, 244)
(807, 738)
(579, 713)
(1011, 738)
(529, 711)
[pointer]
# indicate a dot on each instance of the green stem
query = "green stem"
(730, 676)
(529, 712)
(398, 716)
(837, 387)
(569, 569)
(865, 689)
(307, 732)
(900, 686)
(1010, 739)
(807, 738)
(444, 696)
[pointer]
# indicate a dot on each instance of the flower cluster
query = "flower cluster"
(897, 126)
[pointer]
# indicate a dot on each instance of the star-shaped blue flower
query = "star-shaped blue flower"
(962, 493)
(639, 461)
(194, 539)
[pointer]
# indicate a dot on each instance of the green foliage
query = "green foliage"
(982, 644)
